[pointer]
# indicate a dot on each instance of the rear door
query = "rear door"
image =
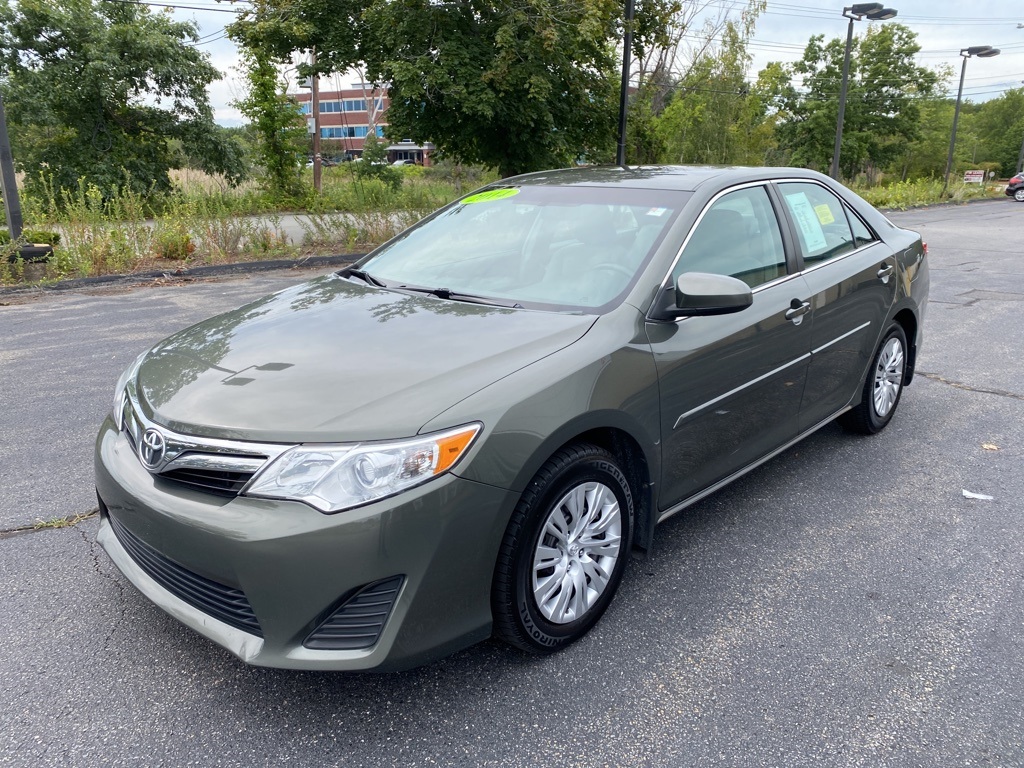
(730, 385)
(851, 276)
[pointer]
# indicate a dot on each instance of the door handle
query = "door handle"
(885, 272)
(797, 310)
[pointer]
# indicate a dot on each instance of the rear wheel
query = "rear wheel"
(564, 550)
(1018, 195)
(883, 386)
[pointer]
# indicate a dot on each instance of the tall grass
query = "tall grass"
(205, 221)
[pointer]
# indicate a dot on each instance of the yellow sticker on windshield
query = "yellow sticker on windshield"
(491, 195)
(824, 213)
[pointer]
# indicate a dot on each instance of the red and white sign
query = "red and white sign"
(974, 177)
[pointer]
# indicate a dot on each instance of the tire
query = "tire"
(548, 589)
(883, 385)
(1018, 195)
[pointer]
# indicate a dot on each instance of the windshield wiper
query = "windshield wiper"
(364, 276)
(468, 298)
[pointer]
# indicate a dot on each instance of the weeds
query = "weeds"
(911, 194)
(63, 522)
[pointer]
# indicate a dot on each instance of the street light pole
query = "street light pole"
(982, 52)
(8, 181)
(874, 12)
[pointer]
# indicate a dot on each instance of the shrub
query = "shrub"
(49, 236)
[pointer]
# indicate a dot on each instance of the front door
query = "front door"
(731, 384)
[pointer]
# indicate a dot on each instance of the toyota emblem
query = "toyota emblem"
(152, 452)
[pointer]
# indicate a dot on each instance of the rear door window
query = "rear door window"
(861, 234)
(820, 221)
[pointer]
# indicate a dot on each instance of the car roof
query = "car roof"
(668, 177)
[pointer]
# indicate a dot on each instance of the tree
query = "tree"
(517, 84)
(999, 125)
(96, 91)
(281, 28)
(883, 100)
(925, 156)
(688, 38)
(714, 116)
(280, 133)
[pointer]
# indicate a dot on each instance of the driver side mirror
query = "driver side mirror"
(702, 293)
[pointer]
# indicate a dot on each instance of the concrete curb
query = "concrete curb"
(201, 271)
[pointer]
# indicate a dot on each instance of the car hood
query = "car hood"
(332, 360)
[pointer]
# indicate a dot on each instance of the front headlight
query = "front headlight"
(122, 382)
(336, 477)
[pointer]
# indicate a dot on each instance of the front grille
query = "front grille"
(359, 620)
(225, 603)
(220, 482)
(218, 467)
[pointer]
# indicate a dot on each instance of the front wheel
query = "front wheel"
(564, 550)
(882, 387)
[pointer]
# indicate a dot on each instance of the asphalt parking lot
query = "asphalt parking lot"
(843, 605)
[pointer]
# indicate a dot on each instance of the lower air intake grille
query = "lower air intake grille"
(357, 622)
(226, 603)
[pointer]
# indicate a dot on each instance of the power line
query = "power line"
(175, 5)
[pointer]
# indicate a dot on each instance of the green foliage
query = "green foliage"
(125, 231)
(91, 245)
(280, 28)
(925, 156)
(714, 118)
(901, 195)
(171, 236)
(998, 126)
(280, 133)
(94, 90)
(518, 86)
(374, 164)
(645, 144)
(883, 108)
(49, 236)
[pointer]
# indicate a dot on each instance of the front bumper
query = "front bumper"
(294, 564)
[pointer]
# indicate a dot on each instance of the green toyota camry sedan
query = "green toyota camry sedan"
(465, 433)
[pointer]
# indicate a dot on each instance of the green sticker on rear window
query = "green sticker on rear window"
(490, 195)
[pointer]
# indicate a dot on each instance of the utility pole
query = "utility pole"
(314, 80)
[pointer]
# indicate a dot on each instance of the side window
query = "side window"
(861, 234)
(821, 223)
(738, 236)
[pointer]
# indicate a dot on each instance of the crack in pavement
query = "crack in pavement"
(968, 387)
(97, 566)
(71, 521)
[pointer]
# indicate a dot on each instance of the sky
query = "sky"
(943, 27)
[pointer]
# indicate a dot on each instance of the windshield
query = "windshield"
(575, 248)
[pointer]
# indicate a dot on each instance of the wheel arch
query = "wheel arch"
(909, 322)
(612, 431)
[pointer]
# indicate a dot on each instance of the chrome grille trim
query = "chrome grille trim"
(189, 456)
(216, 463)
